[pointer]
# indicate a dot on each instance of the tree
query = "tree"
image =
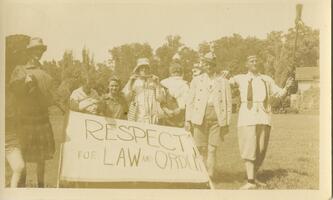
(231, 52)
(103, 74)
(279, 49)
(188, 57)
(53, 70)
(15, 53)
(165, 54)
(125, 56)
(204, 48)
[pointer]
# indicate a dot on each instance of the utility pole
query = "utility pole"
(298, 24)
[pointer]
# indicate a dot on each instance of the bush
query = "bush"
(310, 99)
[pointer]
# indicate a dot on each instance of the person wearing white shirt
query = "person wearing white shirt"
(208, 111)
(84, 99)
(176, 90)
(254, 120)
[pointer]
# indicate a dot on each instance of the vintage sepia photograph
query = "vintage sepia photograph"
(147, 95)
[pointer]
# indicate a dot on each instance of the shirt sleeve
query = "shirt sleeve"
(74, 101)
(16, 82)
(276, 91)
(183, 96)
(127, 90)
(229, 101)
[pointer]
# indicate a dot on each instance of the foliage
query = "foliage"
(311, 99)
(125, 57)
(275, 54)
(15, 54)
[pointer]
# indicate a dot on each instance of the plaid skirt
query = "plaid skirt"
(36, 138)
(11, 138)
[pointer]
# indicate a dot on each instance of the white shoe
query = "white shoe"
(248, 186)
(259, 183)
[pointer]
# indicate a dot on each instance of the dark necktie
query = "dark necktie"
(249, 95)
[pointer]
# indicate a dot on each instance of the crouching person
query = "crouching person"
(208, 111)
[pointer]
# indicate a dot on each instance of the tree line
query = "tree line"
(275, 56)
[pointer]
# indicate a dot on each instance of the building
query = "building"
(307, 97)
(307, 77)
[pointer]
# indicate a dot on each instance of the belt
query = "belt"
(210, 105)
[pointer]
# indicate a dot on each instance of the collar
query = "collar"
(250, 74)
(176, 77)
(215, 76)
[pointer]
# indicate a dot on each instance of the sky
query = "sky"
(101, 25)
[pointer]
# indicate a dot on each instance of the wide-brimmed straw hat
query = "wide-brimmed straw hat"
(36, 43)
(141, 62)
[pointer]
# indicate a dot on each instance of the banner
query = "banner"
(100, 149)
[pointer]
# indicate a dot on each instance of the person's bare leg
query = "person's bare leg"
(40, 173)
(16, 163)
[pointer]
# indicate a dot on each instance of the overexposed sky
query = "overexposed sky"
(102, 25)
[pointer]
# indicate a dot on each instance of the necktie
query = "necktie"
(266, 95)
(249, 95)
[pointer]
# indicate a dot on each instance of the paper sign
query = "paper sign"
(102, 149)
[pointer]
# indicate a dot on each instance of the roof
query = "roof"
(307, 73)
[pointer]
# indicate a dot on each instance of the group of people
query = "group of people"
(202, 107)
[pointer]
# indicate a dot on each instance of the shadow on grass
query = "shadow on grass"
(267, 175)
(229, 177)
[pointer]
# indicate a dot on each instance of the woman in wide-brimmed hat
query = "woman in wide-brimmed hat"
(144, 93)
(32, 89)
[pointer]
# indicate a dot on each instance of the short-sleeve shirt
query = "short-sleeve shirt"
(262, 85)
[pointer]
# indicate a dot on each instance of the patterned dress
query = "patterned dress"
(144, 98)
(33, 99)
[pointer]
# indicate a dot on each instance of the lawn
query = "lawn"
(292, 160)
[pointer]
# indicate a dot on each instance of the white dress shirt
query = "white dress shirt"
(178, 88)
(258, 114)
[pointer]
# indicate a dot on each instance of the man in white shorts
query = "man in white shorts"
(254, 122)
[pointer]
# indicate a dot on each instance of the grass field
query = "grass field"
(292, 160)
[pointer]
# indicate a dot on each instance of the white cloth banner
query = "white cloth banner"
(101, 149)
